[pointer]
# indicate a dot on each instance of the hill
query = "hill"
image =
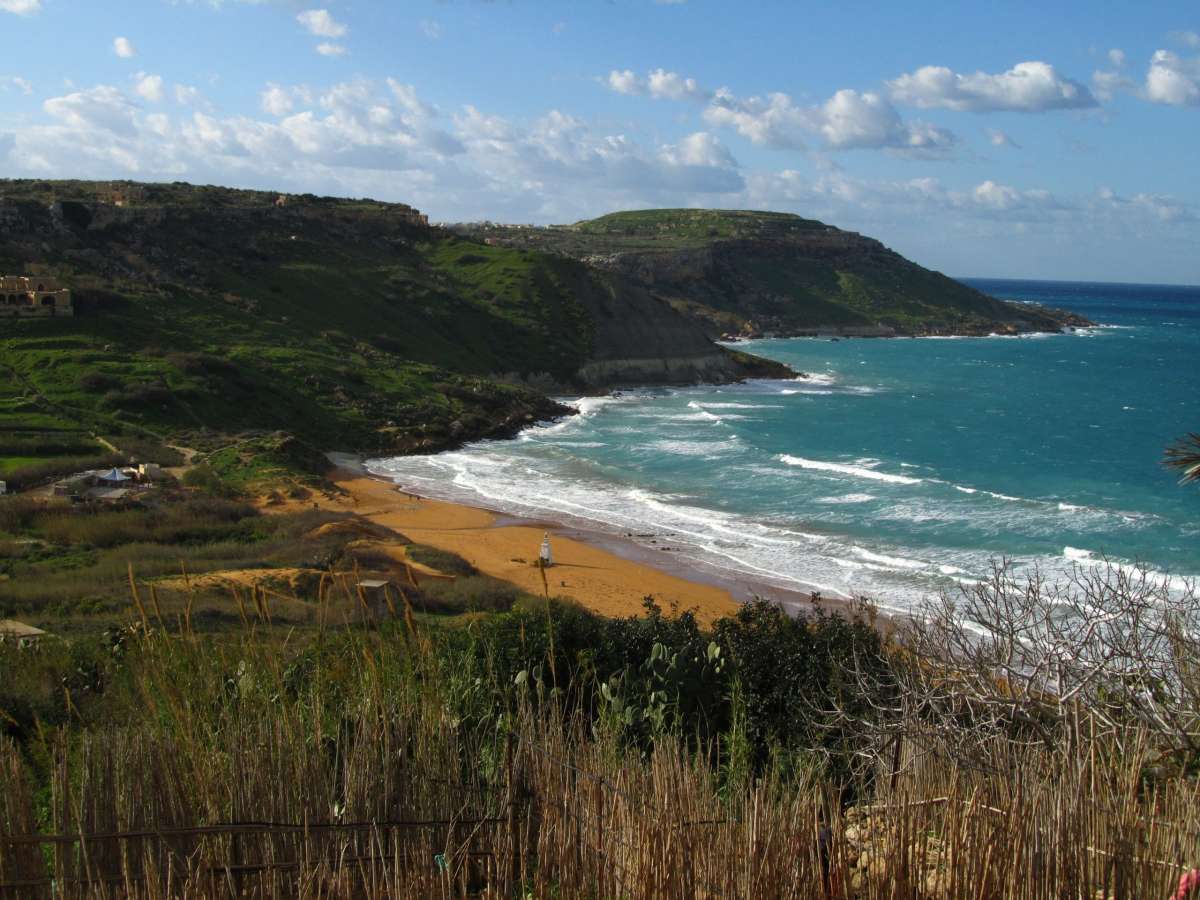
(206, 313)
(747, 273)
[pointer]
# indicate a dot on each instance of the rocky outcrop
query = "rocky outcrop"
(641, 339)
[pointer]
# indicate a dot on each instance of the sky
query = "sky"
(1016, 139)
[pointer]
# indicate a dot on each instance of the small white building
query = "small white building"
(3, 488)
(149, 471)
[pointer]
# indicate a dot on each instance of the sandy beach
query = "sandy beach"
(594, 576)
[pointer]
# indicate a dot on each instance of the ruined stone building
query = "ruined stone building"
(30, 296)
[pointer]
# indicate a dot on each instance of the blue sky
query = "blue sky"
(1054, 140)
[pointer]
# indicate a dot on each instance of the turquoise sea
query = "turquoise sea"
(897, 468)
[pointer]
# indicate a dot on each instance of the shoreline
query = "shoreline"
(604, 572)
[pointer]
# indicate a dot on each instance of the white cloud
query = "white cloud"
(325, 48)
(1026, 87)
(149, 87)
(21, 7)
(1187, 38)
(773, 120)
(672, 86)
(1106, 84)
(15, 82)
(850, 119)
(1173, 80)
(379, 138)
(187, 95)
(625, 82)
(839, 197)
(1116, 56)
(276, 100)
(699, 149)
(101, 108)
(658, 83)
(995, 196)
(847, 120)
(431, 29)
(1157, 206)
(320, 23)
(1001, 139)
(124, 48)
(569, 165)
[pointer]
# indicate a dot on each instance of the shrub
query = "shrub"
(442, 560)
(470, 593)
(151, 451)
(204, 478)
(48, 445)
(98, 382)
(24, 477)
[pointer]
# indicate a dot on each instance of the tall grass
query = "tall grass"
(402, 763)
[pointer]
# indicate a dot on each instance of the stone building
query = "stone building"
(33, 296)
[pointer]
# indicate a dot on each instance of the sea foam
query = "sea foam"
(817, 465)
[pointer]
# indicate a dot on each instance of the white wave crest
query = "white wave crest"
(884, 559)
(846, 498)
(706, 406)
(818, 378)
(843, 469)
(694, 448)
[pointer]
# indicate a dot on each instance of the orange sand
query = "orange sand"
(595, 578)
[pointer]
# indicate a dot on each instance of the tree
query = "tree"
(1184, 455)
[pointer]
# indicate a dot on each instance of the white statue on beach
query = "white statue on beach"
(544, 555)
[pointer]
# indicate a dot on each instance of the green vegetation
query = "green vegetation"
(694, 227)
(206, 315)
(744, 272)
(546, 752)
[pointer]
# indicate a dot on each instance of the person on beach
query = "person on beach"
(544, 555)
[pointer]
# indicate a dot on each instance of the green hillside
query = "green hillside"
(750, 273)
(206, 316)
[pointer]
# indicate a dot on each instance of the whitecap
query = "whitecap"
(696, 405)
(692, 448)
(846, 498)
(589, 406)
(818, 378)
(843, 469)
(883, 559)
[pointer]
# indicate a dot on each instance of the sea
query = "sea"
(894, 469)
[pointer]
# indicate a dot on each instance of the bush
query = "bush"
(442, 560)
(136, 397)
(151, 451)
(24, 477)
(470, 593)
(48, 445)
(98, 382)
(204, 478)
(791, 671)
(203, 364)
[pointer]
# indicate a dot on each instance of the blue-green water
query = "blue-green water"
(900, 467)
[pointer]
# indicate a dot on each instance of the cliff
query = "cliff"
(739, 273)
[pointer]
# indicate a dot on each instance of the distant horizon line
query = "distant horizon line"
(1151, 284)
